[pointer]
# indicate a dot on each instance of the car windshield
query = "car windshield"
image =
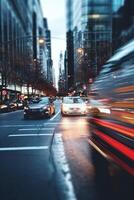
(43, 101)
(39, 101)
(72, 100)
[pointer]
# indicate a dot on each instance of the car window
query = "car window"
(43, 101)
(72, 100)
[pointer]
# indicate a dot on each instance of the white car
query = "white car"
(73, 106)
(98, 108)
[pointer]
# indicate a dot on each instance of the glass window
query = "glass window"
(71, 100)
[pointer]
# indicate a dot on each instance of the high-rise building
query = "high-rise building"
(70, 45)
(123, 23)
(22, 54)
(89, 23)
(62, 79)
(48, 50)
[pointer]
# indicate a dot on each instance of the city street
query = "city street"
(33, 163)
(46, 158)
(66, 100)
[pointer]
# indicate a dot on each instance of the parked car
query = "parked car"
(20, 104)
(9, 105)
(3, 107)
(12, 106)
(42, 107)
(112, 120)
(73, 106)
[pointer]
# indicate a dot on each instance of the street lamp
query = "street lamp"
(41, 41)
(80, 51)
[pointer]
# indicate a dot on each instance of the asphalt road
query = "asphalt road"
(46, 159)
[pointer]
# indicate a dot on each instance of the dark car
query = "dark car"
(3, 107)
(112, 124)
(19, 104)
(42, 107)
(8, 106)
(12, 106)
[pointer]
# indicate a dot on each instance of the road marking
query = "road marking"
(24, 148)
(98, 149)
(30, 135)
(35, 129)
(39, 126)
(55, 116)
(18, 125)
(63, 170)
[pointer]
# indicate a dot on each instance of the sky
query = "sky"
(54, 11)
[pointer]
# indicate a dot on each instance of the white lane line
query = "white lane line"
(24, 148)
(39, 126)
(35, 129)
(55, 116)
(30, 135)
(19, 125)
(63, 169)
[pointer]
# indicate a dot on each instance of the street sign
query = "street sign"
(4, 92)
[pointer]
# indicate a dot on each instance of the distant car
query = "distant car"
(12, 106)
(41, 108)
(19, 104)
(3, 107)
(97, 107)
(8, 106)
(73, 106)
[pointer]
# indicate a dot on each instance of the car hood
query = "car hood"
(74, 105)
(37, 106)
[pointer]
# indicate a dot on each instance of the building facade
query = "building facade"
(49, 72)
(70, 45)
(123, 22)
(90, 23)
(22, 56)
(62, 75)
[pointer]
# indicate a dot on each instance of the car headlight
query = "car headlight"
(4, 106)
(83, 108)
(26, 108)
(46, 108)
(105, 110)
(65, 107)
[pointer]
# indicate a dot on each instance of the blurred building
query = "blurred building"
(48, 51)
(70, 44)
(123, 22)
(62, 75)
(22, 53)
(89, 34)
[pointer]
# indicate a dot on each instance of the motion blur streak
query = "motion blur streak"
(129, 88)
(117, 145)
(122, 129)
